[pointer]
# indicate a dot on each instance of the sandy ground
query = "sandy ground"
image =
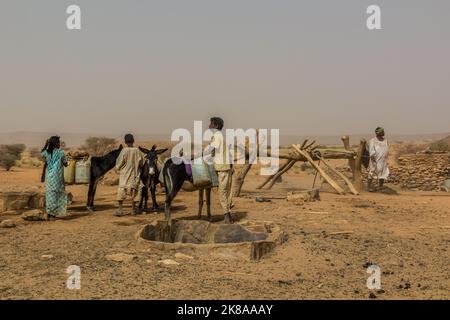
(407, 235)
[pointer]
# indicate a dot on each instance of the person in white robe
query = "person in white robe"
(378, 166)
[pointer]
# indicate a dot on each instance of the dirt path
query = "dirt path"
(407, 235)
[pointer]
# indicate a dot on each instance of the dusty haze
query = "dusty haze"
(306, 67)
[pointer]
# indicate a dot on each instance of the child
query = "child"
(129, 165)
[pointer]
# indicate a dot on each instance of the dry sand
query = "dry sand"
(407, 235)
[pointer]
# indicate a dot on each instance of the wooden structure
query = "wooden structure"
(309, 152)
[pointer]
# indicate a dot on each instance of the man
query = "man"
(378, 152)
(129, 165)
(222, 164)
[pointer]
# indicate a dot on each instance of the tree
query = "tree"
(98, 146)
(9, 154)
(35, 153)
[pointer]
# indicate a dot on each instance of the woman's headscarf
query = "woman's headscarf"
(53, 143)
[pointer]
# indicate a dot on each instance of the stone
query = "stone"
(183, 256)
(446, 185)
(34, 215)
(47, 257)
(372, 296)
(303, 196)
(14, 201)
(3, 206)
(232, 233)
(37, 201)
(169, 262)
(69, 198)
(7, 224)
(120, 257)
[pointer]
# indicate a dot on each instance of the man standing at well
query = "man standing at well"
(378, 151)
(222, 164)
(129, 165)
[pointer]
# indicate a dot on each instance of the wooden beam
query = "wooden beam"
(327, 178)
(346, 142)
(238, 179)
(357, 175)
(343, 177)
(271, 176)
(280, 173)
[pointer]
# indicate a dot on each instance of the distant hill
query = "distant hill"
(72, 140)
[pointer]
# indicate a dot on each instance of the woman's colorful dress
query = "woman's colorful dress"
(55, 193)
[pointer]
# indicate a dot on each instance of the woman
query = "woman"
(55, 194)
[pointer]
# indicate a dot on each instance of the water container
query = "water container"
(200, 175)
(213, 175)
(69, 172)
(188, 186)
(83, 172)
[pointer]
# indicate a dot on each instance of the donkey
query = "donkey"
(150, 177)
(99, 167)
(174, 176)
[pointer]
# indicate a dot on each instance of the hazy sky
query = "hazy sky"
(306, 67)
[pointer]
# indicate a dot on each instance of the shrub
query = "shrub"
(7, 160)
(14, 149)
(9, 154)
(98, 146)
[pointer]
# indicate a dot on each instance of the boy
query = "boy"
(129, 165)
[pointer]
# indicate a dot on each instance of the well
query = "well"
(247, 240)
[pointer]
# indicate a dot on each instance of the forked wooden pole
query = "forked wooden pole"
(327, 178)
(343, 177)
(280, 173)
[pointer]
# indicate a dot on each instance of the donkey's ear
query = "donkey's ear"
(146, 151)
(159, 151)
(120, 147)
(154, 147)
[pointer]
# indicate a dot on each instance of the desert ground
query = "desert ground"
(407, 235)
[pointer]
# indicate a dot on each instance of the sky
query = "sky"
(304, 67)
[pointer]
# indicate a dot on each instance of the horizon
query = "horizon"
(75, 140)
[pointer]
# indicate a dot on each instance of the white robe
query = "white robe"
(378, 169)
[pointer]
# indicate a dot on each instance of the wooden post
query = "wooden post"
(346, 142)
(330, 180)
(342, 176)
(273, 175)
(357, 175)
(280, 173)
(238, 179)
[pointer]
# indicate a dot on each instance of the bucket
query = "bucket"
(69, 172)
(200, 175)
(83, 172)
